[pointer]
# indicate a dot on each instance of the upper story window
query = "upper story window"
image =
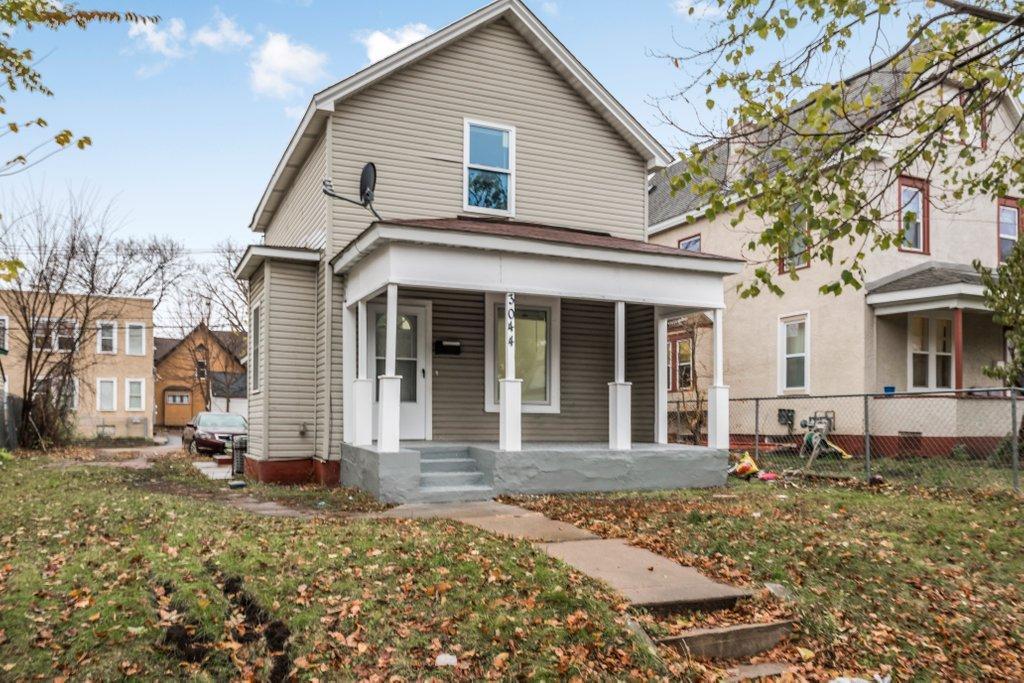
(914, 214)
(691, 243)
(1009, 226)
(489, 152)
(797, 256)
(135, 339)
(49, 334)
(4, 324)
(106, 337)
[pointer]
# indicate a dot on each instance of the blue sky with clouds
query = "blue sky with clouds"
(188, 117)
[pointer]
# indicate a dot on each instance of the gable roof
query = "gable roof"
(163, 346)
(232, 342)
(521, 19)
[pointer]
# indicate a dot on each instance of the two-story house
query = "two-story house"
(500, 326)
(920, 324)
(98, 349)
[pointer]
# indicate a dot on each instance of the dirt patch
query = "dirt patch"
(182, 637)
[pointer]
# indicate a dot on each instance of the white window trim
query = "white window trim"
(675, 352)
(933, 351)
(128, 394)
(511, 170)
(99, 337)
(554, 306)
(113, 383)
(127, 338)
(4, 342)
(53, 347)
(780, 355)
(255, 378)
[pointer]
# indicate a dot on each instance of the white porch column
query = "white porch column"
(362, 386)
(718, 394)
(389, 384)
(620, 425)
(661, 377)
(510, 389)
(348, 371)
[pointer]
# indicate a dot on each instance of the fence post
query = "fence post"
(1014, 440)
(867, 437)
(757, 430)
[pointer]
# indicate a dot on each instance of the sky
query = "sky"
(188, 117)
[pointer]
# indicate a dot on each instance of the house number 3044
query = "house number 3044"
(510, 320)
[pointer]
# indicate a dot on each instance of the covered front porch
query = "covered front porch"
(535, 357)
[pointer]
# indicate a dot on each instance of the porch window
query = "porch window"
(914, 214)
(489, 160)
(930, 352)
(684, 363)
(537, 332)
(135, 339)
(106, 337)
(794, 354)
(1009, 226)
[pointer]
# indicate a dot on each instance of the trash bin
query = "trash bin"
(240, 445)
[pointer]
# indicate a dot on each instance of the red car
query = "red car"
(210, 433)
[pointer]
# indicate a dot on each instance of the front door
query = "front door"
(410, 364)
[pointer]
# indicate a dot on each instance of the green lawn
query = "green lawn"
(924, 586)
(107, 574)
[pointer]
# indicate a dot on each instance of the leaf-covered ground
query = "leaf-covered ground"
(104, 574)
(923, 586)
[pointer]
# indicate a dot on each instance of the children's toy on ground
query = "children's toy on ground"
(744, 468)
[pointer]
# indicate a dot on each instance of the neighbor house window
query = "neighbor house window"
(1009, 226)
(254, 355)
(537, 352)
(201, 369)
(177, 399)
(49, 334)
(4, 325)
(135, 339)
(691, 243)
(106, 337)
(106, 395)
(798, 254)
(914, 214)
(684, 363)
(489, 157)
(930, 352)
(794, 353)
(60, 392)
(134, 394)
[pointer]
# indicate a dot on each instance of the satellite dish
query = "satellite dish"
(367, 184)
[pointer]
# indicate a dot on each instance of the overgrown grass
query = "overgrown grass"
(924, 586)
(103, 578)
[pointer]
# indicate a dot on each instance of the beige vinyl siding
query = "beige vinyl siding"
(257, 435)
(572, 168)
(320, 361)
(291, 298)
(336, 404)
(301, 219)
(640, 369)
(587, 365)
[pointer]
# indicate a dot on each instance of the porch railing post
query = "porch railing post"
(867, 437)
(1014, 439)
(389, 385)
(620, 420)
(718, 394)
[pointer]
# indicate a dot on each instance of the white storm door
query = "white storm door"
(410, 364)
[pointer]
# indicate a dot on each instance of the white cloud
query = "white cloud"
(700, 10)
(166, 41)
(222, 34)
(380, 44)
(280, 67)
(550, 8)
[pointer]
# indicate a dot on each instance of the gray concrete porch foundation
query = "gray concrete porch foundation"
(430, 471)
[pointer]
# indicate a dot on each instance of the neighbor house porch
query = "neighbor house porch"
(535, 357)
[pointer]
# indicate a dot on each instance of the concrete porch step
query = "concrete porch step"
(433, 465)
(443, 452)
(730, 642)
(454, 494)
(459, 478)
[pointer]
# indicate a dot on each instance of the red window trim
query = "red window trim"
(687, 239)
(806, 259)
(1010, 202)
(926, 230)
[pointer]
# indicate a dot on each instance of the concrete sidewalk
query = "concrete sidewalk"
(642, 577)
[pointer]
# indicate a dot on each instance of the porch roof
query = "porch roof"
(927, 286)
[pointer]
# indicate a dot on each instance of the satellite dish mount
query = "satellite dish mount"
(367, 184)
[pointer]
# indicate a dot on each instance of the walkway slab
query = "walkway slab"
(536, 528)
(644, 578)
(455, 511)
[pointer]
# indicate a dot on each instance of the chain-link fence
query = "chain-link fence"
(965, 439)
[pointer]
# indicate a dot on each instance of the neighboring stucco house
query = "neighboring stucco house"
(105, 366)
(201, 371)
(920, 323)
(377, 347)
